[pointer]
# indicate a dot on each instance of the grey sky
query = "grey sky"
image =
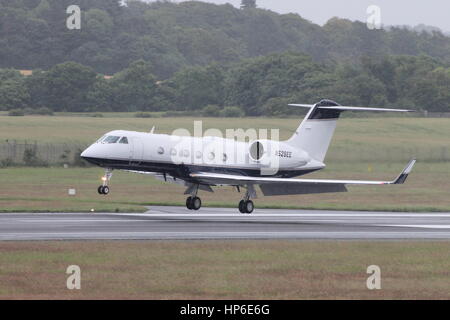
(393, 12)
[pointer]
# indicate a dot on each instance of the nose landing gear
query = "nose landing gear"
(104, 189)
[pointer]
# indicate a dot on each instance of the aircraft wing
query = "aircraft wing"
(316, 184)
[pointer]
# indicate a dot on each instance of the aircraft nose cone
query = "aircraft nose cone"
(87, 153)
(90, 155)
(84, 154)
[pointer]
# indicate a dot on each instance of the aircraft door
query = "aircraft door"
(137, 151)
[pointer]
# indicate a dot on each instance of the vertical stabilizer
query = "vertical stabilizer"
(316, 131)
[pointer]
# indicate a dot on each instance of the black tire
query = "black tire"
(105, 190)
(189, 203)
(100, 190)
(249, 206)
(241, 206)
(196, 203)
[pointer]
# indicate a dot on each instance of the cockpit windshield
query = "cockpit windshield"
(111, 139)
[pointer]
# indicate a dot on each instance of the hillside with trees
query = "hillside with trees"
(201, 58)
(33, 35)
(256, 86)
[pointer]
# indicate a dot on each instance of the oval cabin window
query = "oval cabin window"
(256, 150)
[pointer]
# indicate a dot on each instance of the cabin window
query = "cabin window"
(186, 153)
(173, 152)
(256, 150)
(198, 154)
(111, 139)
(211, 156)
(225, 157)
(124, 140)
(160, 150)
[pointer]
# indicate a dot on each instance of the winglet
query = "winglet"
(402, 177)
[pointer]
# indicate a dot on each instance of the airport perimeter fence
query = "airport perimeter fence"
(33, 153)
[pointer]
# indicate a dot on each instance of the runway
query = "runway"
(178, 223)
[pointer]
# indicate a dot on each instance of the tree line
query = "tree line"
(171, 36)
(252, 87)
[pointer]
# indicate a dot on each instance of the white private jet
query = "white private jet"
(201, 162)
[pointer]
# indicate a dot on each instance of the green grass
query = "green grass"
(224, 270)
(356, 139)
(45, 189)
(362, 148)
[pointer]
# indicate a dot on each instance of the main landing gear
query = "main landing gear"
(246, 205)
(193, 202)
(104, 189)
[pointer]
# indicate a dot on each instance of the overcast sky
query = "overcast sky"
(393, 12)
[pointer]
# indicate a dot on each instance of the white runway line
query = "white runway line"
(296, 215)
(424, 226)
(56, 220)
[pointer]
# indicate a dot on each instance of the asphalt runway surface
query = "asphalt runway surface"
(178, 223)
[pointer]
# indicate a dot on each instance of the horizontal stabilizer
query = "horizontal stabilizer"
(345, 108)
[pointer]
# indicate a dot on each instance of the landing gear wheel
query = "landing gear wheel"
(193, 203)
(246, 206)
(103, 190)
(241, 206)
(249, 206)
(188, 203)
(196, 203)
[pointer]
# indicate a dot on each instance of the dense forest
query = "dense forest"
(33, 34)
(196, 56)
